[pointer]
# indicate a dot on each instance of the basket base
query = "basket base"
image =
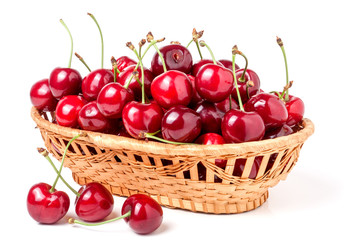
(217, 207)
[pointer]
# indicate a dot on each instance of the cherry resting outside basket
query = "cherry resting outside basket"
(169, 173)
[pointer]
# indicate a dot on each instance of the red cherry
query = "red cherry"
(65, 81)
(213, 139)
(278, 132)
(224, 106)
(67, 110)
(195, 99)
(270, 108)
(140, 118)
(214, 83)
(210, 117)
(171, 88)
(295, 108)
(176, 57)
(238, 126)
(91, 119)
(240, 165)
(94, 82)
(146, 214)
(45, 206)
(112, 99)
(123, 62)
(196, 67)
(181, 124)
(41, 96)
(127, 73)
(94, 203)
(246, 91)
(228, 64)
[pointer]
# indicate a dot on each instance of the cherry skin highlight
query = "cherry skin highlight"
(67, 110)
(94, 203)
(46, 207)
(41, 96)
(295, 108)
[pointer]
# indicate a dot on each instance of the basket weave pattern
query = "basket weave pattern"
(169, 173)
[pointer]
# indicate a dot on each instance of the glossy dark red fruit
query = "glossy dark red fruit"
(91, 119)
(94, 82)
(146, 214)
(172, 88)
(45, 206)
(210, 117)
(228, 64)
(213, 139)
(123, 62)
(65, 81)
(196, 67)
(214, 83)
(246, 91)
(181, 124)
(224, 106)
(94, 203)
(176, 57)
(238, 126)
(67, 110)
(41, 96)
(295, 108)
(195, 99)
(140, 118)
(278, 132)
(112, 99)
(134, 86)
(270, 108)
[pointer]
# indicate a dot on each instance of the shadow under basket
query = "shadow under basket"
(177, 176)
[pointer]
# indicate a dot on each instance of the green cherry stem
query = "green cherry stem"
(102, 40)
(234, 52)
(45, 154)
(131, 46)
(74, 221)
(242, 78)
(83, 61)
(72, 43)
(150, 39)
(62, 161)
(115, 67)
(187, 46)
(152, 136)
(281, 44)
(203, 44)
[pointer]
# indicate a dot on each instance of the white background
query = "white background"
(319, 199)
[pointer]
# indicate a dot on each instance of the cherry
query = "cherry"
(181, 124)
(210, 117)
(112, 98)
(195, 99)
(278, 132)
(41, 96)
(94, 82)
(143, 214)
(124, 62)
(176, 57)
(67, 110)
(65, 81)
(213, 139)
(94, 203)
(197, 66)
(228, 64)
(146, 214)
(224, 106)
(294, 105)
(248, 84)
(140, 118)
(172, 88)
(91, 119)
(127, 79)
(270, 108)
(46, 206)
(239, 125)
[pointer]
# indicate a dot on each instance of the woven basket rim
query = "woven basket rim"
(109, 141)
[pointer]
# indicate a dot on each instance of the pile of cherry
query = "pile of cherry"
(175, 101)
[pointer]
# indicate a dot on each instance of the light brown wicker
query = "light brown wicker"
(169, 173)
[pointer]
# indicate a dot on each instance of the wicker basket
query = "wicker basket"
(170, 173)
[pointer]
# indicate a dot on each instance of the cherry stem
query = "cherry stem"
(115, 67)
(150, 39)
(281, 44)
(152, 136)
(102, 40)
(203, 44)
(72, 44)
(62, 162)
(72, 221)
(236, 85)
(83, 61)
(242, 78)
(129, 44)
(45, 154)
